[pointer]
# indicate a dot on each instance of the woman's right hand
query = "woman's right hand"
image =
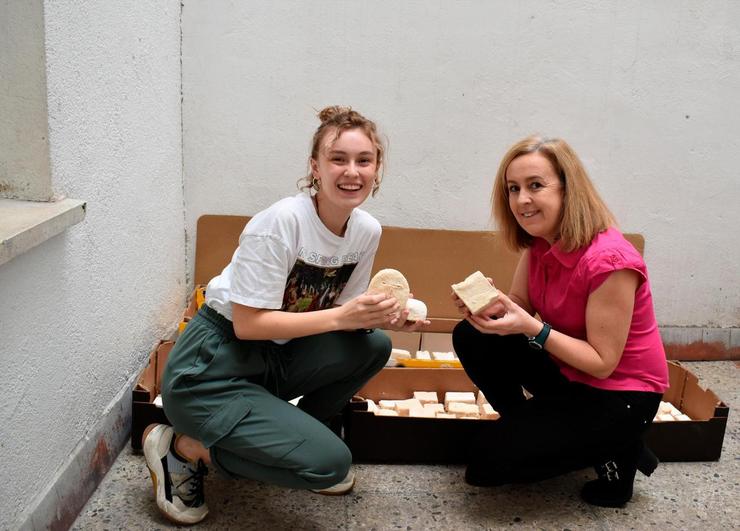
(495, 309)
(368, 311)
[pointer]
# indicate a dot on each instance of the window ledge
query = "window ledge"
(26, 224)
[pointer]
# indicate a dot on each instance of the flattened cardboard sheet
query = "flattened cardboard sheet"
(430, 259)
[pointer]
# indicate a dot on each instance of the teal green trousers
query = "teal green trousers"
(232, 394)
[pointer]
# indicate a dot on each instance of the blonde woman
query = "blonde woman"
(594, 362)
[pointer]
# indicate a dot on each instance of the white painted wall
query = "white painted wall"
(646, 92)
(81, 312)
(24, 138)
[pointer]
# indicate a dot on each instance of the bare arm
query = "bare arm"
(519, 291)
(608, 317)
(364, 311)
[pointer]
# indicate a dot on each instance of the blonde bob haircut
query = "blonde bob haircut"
(584, 213)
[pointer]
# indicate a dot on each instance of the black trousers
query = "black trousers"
(564, 426)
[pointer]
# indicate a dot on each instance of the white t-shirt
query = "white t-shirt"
(287, 259)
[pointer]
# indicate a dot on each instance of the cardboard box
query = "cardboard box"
(417, 440)
(422, 255)
(695, 440)
(143, 409)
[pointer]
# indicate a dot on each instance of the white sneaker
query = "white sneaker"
(179, 495)
(343, 487)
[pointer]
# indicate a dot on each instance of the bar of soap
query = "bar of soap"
(476, 292)
(441, 415)
(392, 283)
(405, 406)
(426, 397)
(481, 399)
(386, 413)
(436, 408)
(444, 356)
(421, 412)
(461, 397)
(417, 310)
(423, 355)
(463, 410)
(487, 412)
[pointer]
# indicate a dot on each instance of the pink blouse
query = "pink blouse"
(559, 286)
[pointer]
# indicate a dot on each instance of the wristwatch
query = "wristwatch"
(538, 342)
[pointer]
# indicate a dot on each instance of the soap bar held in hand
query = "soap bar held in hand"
(476, 292)
(392, 283)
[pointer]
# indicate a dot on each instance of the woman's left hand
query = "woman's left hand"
(505, 317)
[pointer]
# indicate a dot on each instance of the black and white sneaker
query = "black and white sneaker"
(178, 489)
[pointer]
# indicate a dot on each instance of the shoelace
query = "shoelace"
(194, 483)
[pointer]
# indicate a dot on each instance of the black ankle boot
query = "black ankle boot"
(647, 461)
(614, 486)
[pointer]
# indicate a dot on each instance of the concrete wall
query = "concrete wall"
(24, 138)
(647, 93)
(81, 312)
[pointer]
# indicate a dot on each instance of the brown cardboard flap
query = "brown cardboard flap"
(697, 402)
(147, 379)
(162, 352)
(431, 259)
(216, 239)
(677, 379)
(434, 342)
(394, 383)
(405, 340)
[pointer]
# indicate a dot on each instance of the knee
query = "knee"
(464, 339)
(330, 464)
(375, 347)
(380, 347)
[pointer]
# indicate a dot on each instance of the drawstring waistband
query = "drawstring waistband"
(272, 353)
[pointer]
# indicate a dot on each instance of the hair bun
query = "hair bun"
(328, 114)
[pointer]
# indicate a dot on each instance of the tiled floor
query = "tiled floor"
(677, 496)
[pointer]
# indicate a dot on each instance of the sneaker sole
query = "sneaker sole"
(155, 449)
(341, 491)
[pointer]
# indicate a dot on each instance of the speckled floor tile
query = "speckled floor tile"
(700, 496)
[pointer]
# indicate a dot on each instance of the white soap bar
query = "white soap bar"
(371, 405)
(460, 409)
(476, 292)
(399, 354)
(386, 413)
(466, 397)
(423, 355)
(664, 407)
(417, 310)
(443, 356)
(387, 404)
(481, 399)
(487, 412)
(441, 415)
(421, 412)
(436, 408)
(426, 397)
(683, 416)
(665, 417)
(404, 406)
(158, 401)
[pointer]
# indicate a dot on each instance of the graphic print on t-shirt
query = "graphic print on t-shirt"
(314, 288)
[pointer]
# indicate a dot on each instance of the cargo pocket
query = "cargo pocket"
(222, 421)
